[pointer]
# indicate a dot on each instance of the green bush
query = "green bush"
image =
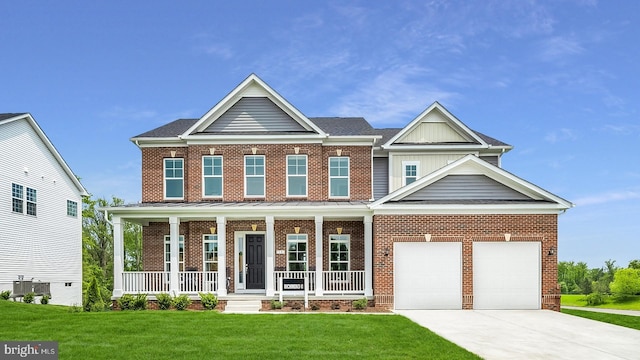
(126, 302)
(181, 302)
(140, 302)
(360, 304)
(209, 301)
(626, 284)
(75, 309)
(335, 306)
(276, 305)
(164, 301)
(45, 299)
(93, 295)
(5, 295)
(97, 306)
(315, 306)
(29, 297)
(595, 298)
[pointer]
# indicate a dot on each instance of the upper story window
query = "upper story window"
(212, 176)
(296, 175)
(167, 253)
(18, 197)
(339, 177)
(72, 208)
(254, 184)
(174, 179)
(210, 251)
(339, 252)
(409, 172)
(297, 252)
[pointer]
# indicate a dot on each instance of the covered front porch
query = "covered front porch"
(236, 251)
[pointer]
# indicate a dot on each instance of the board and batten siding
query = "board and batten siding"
(380, 177)
(466, 187)
(434, 128)
(254, 114)
(46, 247)
(428, 163)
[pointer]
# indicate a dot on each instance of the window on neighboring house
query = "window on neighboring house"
(409, 172)
(254, 184)
(212, 176)
(297, 252)
(174, 178)
(18, 197)
(210, 251)
(339, 177)
(296, 175)
(167, 253)
(72, 208)
(339, 252)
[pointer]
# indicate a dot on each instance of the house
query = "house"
(422, 217)
(41, 216)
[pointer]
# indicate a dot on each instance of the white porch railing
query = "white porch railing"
(150, 282)
(343, 282)
(277, 275)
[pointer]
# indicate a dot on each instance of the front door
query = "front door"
(255, 261)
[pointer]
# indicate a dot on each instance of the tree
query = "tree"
(634, 264)
(626, 283)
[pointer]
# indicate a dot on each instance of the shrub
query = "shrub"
(45, 299)
(29, 297)
(181, 302)
(595, 298)
(315, 306)
(93, 295)
(296, 305)
(164, 301)
(140, 302)
(626, 283)
(335, 306)
(126, 302)
(209, 301)
(360, 304)
(97, 306)
(5, 295)
(75, 308)
(276, 304)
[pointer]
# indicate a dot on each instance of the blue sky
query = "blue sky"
(559, 80)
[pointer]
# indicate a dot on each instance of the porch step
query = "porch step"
(243, 306)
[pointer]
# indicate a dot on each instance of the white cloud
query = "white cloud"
(218, 50)
(559, 48)
(560, 135)
(608, 197)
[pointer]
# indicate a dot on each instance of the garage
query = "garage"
(428, 275)
(506, 275)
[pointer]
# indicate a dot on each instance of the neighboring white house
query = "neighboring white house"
(40, 212)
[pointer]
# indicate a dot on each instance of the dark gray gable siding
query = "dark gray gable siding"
(380, 177)
(254, 114)
(493, 160)
(5, 116)
(466, 187)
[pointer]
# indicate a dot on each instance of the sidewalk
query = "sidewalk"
(608, 311)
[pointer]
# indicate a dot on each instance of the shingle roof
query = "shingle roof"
(6, 116)
(343, 126)
(171, 129)
(489, 140)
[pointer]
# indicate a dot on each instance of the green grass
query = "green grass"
(629, 321)
(579, 300)
(209, 335)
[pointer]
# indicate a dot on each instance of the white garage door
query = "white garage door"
(506, 275)
(427, 275)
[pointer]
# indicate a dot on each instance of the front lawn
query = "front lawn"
(209, 335)
(622, 320)
(580, 300)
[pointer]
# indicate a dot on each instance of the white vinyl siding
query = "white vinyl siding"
(297, 252)
(212, 176)
(254, 181)
(210, 252)
(174, 179)
(339, 252)
(338, 177)
(167, 253)
(410, 171)
(296, 175)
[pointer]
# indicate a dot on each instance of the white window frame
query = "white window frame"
(165, 178)
(204, 177)
(340, 239)
(405, 164)
(305, 175)
(210, 239)
(263, 176)
(167, 253)
(31, 197)
(27, 198)
(72, 208)
(17, 197)
(298, 239)
(347, 177)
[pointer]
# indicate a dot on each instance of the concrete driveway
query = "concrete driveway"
(529, 334)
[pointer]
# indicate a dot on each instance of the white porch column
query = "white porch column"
(221, 222)
(319, 290)
(118, 256)
(174, 241)
(270, 264)
(368, 255)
